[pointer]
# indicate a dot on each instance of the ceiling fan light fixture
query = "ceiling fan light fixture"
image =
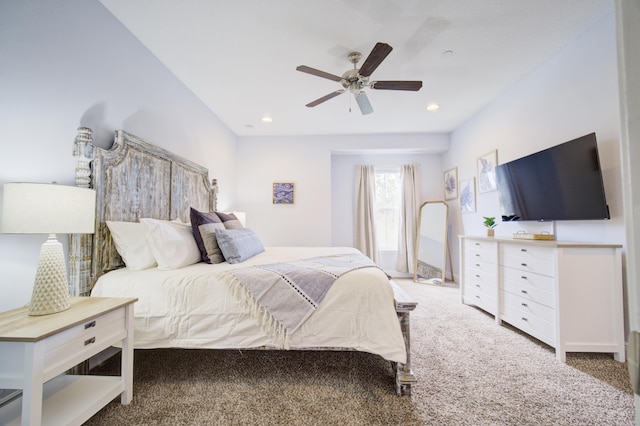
(267, 119)
(433, 107)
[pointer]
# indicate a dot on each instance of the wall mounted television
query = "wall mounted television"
(563, 182)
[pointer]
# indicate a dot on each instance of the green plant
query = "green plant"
(489, 222)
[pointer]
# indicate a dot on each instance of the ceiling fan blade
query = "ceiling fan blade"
(396, 85)
(313, 71)
(363, 103)
(375, 58)
(325, 98)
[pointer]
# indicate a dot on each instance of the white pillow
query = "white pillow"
(130, 241)
(171, 243)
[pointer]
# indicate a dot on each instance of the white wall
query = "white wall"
(575, 93)
(70, 63)
(343, 185)
(306, 161)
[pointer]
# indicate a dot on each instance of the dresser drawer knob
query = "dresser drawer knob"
(523, 250)
(524, 304)
(477, 255)
(90, 324)
(523, 291)
(477, 244)
(523, 277)
(478, 285)
(477, 264)
(524, 319)
(523, 264)
(89, 341)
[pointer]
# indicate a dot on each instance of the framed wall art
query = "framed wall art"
(487, 172)
(468, 195)
(283, 192)
(451, 184)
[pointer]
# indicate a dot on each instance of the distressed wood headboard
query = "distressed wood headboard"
(133, 179)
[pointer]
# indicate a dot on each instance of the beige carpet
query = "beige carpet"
(470, 371)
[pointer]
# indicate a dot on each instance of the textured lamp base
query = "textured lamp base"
(51, 289)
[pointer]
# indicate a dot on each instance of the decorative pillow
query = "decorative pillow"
(212, 250)
(198, 219)
(230, 220)
(130, 241)
(171, 243)
(238, 245)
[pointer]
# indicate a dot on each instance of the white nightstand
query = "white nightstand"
(35, 351)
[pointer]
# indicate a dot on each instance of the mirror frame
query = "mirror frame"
(445, 248)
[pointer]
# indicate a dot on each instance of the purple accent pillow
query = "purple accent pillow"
(230, 220)
(197, 220)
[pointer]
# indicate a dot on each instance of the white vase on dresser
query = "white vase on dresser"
(568, 295)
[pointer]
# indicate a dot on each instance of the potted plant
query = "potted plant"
(490, 223)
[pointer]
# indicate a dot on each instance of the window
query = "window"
(387, 206)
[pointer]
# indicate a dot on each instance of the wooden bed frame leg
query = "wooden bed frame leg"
(404, 374)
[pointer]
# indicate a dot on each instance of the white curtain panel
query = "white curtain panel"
(365, 220)
(408, 218)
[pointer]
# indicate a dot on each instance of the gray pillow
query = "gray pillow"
(210, 242)
(238, 245)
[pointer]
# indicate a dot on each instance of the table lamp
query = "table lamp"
(37, 208)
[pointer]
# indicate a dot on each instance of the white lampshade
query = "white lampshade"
(40, 208)
(36, 208)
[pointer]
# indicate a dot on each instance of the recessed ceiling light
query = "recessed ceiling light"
(433, 107)
(267, 119)
(447, 53)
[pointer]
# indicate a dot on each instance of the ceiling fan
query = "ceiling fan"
(355, 80)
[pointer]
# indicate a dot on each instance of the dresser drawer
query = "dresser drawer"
(530, 251)
(480, 299)
(480, 281)
(532, 281)
(480, 250)
(481, 245)
(528, 308)
(532, 325)
(527, 264)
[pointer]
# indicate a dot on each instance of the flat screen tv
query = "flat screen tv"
(563, 182)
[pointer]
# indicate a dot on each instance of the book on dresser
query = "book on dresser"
(565, 294)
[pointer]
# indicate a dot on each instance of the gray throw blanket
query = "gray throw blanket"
(283, 295)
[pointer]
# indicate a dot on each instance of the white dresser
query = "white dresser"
(568, 295)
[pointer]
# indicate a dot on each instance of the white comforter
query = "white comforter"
(192, 308)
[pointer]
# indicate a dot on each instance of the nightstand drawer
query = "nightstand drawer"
(82, 341)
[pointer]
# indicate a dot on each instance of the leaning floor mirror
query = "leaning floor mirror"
(431, 243)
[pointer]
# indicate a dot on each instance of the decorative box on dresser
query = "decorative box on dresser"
(568, 295)
(36, 351)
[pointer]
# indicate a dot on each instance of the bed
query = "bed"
(200, 305)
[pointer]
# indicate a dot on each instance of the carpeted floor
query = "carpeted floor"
(470, 372)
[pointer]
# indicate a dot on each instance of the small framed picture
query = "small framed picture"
(451, 184)
(487, 172)
(468, 195)
(283, 192)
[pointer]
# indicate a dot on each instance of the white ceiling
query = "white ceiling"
(240, 56)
